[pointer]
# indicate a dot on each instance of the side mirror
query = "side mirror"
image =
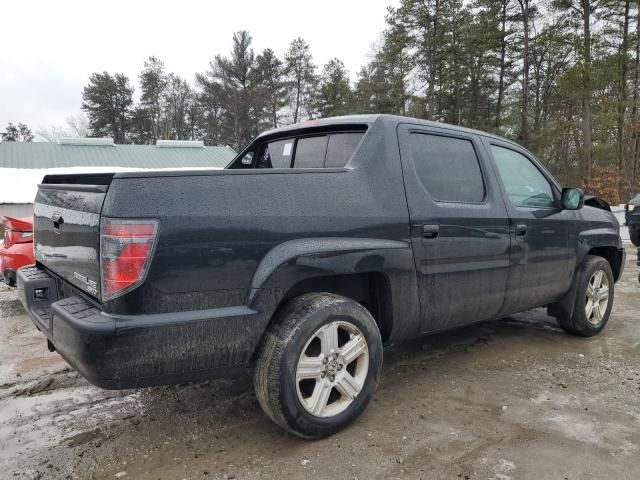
(572, 198)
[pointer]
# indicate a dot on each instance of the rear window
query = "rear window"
(332, 150)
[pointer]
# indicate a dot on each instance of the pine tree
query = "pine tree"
(108, 100)
(270, 89)
(560, 76)
(176, 102)
(153, 82)
(239, 122)
(301, 79)
(19, 133)
(211, 108)
(334, 93)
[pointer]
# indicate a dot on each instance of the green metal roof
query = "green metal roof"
(53, 155)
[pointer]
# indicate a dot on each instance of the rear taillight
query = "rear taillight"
(25, 237)
(126, 248)
(629, 207)
(11, 237)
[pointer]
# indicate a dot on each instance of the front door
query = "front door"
(459, 226)
(542, 263)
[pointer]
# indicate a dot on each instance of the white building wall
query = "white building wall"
(16, 210)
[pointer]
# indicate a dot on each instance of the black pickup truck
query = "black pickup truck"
(320, 243)
(632, 219)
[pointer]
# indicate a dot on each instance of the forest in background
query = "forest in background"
(561, 77)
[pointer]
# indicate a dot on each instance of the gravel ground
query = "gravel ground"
(509, 399)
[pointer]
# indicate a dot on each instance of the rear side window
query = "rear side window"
(326, 151)
(276, 154)
(310, 152)
(340, 148)
(332, 150)
(447, 167)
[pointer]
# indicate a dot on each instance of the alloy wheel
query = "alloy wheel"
(597, 297)
(332, 369)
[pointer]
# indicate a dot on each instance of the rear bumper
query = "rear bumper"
(116, 352)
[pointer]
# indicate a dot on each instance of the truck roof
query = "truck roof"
(370, 119)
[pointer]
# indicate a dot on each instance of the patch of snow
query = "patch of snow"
(618, 211)
(20, 185)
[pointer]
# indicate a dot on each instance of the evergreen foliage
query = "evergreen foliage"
(562, 77)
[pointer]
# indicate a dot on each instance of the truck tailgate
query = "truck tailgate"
(67, 230)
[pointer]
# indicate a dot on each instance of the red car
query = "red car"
(17, 248)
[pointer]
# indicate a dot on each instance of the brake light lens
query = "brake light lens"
(126, 249)
(25, 237)
(11, 237)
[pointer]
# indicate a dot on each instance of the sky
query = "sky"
(50, 47)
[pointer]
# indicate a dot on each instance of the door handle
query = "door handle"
(521, 230)
(430, 231)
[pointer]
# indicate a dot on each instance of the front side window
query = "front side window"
(447, 167)
(526, 186)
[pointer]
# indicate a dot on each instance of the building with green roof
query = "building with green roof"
(89, 152)
(23, 164)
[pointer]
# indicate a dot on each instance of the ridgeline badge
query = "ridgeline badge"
(90, 285)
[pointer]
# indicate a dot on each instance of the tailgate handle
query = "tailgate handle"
(57, 220)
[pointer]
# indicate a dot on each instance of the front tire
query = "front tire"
(594, 298)
(319, 365)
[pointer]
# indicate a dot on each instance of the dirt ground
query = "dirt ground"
(510, 399)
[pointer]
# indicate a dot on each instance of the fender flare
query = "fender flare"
(324, 247)
(587, 240)
(297, 260)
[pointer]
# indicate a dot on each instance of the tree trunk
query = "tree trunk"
(636, 98)
(622, 97)
(586, 97)
(503, 52)
(432, 64)
(524, 119)
(297, 107)
(274, 108)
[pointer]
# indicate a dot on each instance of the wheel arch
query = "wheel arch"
(376, 273)
(613, 255)
(371, 289)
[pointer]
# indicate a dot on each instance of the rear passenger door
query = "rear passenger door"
(459, 226)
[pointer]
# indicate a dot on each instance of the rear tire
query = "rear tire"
(594, 298)
(319, 364)
(634, 234)
(10, 278)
